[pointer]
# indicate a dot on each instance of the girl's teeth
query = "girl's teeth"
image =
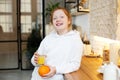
(58, 24)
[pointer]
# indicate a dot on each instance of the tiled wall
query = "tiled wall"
(103, 18)
(118, 22)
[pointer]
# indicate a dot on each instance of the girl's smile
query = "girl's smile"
(59, 24)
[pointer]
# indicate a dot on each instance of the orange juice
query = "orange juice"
(41, 60)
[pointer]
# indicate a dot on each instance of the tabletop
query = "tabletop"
(87, 70)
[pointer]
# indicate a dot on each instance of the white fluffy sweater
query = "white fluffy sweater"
(62, 51)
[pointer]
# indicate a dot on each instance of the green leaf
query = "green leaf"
(51, 6)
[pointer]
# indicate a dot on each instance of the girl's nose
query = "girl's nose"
(58, 19)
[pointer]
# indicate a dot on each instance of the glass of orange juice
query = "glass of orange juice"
(41, 60)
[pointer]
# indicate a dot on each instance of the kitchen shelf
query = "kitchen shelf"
(81, 12)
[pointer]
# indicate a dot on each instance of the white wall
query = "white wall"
(83, 22)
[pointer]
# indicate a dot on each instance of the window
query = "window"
(6, 23)
(31, 12)
(26, 24)
(26, 15)
(25, 5)
(39, 6)
(6, 15)
(5, 5)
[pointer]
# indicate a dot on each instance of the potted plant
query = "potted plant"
(50, 7)
(33, 43)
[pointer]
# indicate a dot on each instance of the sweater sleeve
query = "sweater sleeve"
(74, 62)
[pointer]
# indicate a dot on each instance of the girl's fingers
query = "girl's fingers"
(36, 57)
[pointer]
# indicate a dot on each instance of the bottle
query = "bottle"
(106, 55)
(110, 72)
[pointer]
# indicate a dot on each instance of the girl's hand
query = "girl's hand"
(36, 55)
(39, 59)
(51, 73)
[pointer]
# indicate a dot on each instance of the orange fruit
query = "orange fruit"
(43, 69)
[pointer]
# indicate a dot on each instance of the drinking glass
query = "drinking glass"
(41, 60)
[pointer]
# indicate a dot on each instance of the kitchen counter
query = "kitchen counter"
(88, 70)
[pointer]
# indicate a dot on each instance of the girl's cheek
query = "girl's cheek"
(54, 23)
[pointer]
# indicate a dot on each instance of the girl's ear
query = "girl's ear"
(69, 21)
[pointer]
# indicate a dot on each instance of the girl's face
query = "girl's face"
(60, 20)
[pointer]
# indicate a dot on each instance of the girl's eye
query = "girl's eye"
(61, 16)
(54, 18)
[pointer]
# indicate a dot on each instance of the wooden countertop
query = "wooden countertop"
(88, 70)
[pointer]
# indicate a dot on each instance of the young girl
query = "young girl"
(63, 48)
